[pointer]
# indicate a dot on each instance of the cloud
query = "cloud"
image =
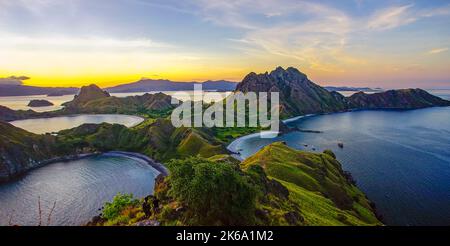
(36, 7)
(75, 42)
(391, 18)
(308, 32)
(13, 80)
(437, 51)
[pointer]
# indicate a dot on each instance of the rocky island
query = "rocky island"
(300, 96)
(39, 103)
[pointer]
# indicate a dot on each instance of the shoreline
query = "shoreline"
(136, 156)
(232, 147)
(39, 164)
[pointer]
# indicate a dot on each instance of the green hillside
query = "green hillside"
(317, 184)
(276, 186)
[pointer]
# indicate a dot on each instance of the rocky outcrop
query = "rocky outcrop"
(87, 93)
(300, 96)
(395, 99)
(39, 103)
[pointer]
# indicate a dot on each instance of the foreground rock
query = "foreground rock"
(39, 103)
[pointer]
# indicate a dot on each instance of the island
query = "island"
(40, 103)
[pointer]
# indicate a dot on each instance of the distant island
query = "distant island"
(7, 90)
(39, 103)
(144, 85)
(347, 88)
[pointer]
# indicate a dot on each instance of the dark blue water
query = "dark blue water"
(400, 159)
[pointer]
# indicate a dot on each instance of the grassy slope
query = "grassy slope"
(316, 184)
(155, 138)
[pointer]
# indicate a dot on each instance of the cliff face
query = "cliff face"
(299, 96)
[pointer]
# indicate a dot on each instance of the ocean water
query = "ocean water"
(79, 189)
(400, 159)
(55, 124)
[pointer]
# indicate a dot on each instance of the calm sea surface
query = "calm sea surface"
(400, 159)
(55, 124)
(79, 189)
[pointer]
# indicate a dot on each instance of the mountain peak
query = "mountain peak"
(290, 72)
(88, 93)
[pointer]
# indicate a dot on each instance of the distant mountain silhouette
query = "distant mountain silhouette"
(348, 88)
(24, 90)
(146, 85)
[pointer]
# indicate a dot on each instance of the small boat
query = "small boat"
(341, 145)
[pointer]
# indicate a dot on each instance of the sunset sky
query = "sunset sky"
(389, 44)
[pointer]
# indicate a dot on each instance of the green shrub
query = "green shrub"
(215, 193)
(113, 209)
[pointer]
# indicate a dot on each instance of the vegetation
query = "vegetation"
(21, 150)
(276, 186)
(216, 193)
(112, 209)
(155, 138)
(317, 185)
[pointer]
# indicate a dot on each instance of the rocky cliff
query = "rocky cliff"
(299, 95)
